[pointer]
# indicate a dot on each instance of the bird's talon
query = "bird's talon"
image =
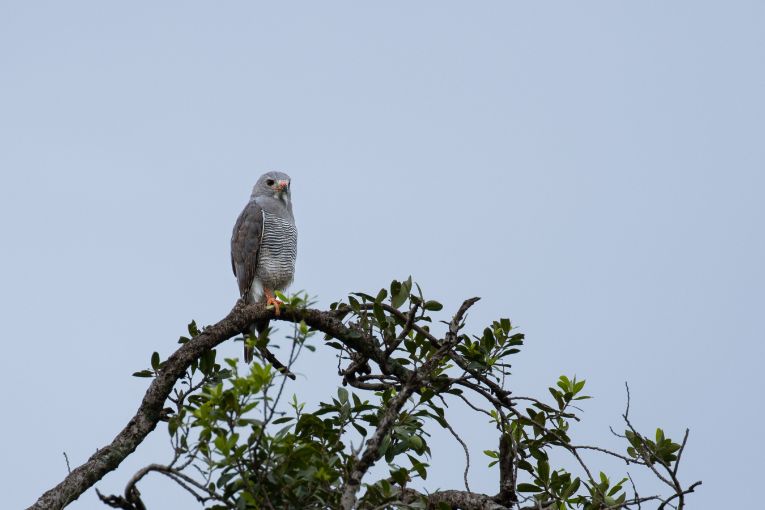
(276, 303)
(271, 300)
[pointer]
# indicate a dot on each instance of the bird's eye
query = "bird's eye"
(270, 182)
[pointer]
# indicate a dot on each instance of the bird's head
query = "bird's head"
(275, 184)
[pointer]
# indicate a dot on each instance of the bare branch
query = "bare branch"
(680, 451)
(68, 468)
(467, 454)
(132, 498)
(408, 325)
(278, 365)
(456, 323)
(507, 480)
(680, 494)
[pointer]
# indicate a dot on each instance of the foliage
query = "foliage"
(239, 443)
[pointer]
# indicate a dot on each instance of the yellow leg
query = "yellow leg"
(271, 300)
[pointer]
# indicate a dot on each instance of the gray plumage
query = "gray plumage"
(264, 243)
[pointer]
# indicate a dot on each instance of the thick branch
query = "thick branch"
(507, 473)
(454, 499)
(110, 456)
(147, 416)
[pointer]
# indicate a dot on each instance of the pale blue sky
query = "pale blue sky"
(593, 170)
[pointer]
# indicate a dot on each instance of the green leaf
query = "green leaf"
(564, 383)
(527, 487)
(395, 288)
(400, 476)
(207, 361)
(385, 445)
(143, 373)
(361, 430)
(433, 306)
(379, 314)
(416, 442)
(155, 360)
(558, 397)
(543, 470)
(616, 488)
(571, 489)
(399, 294)
(364, 296)
(419, 467)
(525, 465)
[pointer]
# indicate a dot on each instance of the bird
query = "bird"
(264, 246)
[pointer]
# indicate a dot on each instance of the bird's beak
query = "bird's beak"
(282, 185)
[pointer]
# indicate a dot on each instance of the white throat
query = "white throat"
(284, 197)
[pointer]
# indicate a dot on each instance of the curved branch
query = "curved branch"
(109, 457)
(367, 347)
(147, 416)
(132, 498)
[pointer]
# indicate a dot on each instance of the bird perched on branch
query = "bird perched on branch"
(264, 245)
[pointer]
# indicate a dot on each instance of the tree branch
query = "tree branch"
(369, 457)
(109, 457)
(147, 416)
(507, 473)
(365, 348)
(388, 419)
(454, 499)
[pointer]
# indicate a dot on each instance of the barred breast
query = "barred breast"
(278, 250)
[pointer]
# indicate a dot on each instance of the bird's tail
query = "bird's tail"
(255, 331)
(248, 354)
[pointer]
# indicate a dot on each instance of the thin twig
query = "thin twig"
(467, 454)
(68, 469)
(680, 451)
